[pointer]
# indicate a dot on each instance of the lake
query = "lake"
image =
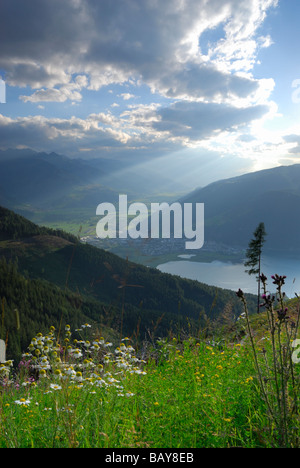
(233, 276)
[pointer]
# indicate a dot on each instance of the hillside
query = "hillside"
(124, 296)
(235, 206)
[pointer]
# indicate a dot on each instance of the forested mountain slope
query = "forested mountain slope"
(50, 276)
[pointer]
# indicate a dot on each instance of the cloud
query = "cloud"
(69, 91)
(147, 128)
(127, 96)
(68, 135)
(294, 139)
(198, 121)
(58, 50)
(44, 42)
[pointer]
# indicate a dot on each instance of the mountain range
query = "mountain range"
(56, 191)
(234, 207)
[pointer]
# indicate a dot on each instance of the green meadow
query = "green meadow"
(174, 393)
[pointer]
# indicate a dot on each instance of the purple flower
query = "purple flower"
(282, 314)
(278, 280)
(263, 278)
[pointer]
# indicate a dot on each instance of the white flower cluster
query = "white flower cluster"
(84, 362)
(5, 369)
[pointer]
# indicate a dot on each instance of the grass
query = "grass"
(185, 394)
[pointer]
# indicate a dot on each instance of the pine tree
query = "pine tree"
(253, 255)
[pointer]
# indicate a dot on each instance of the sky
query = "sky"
(206, 84)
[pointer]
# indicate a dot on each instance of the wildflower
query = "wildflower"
(40, 344)
(55, 387)
(66, 410)
(77, 353)
(281, 314)
(70, 372)
(112, 380)
(100, 382)
(263, 278)
(4, 371)
(240, 293)
(278, 280)
(22, 402)
(268, 300)
(88, 363)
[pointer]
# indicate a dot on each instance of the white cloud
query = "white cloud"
(66, 92)
(127, 96)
